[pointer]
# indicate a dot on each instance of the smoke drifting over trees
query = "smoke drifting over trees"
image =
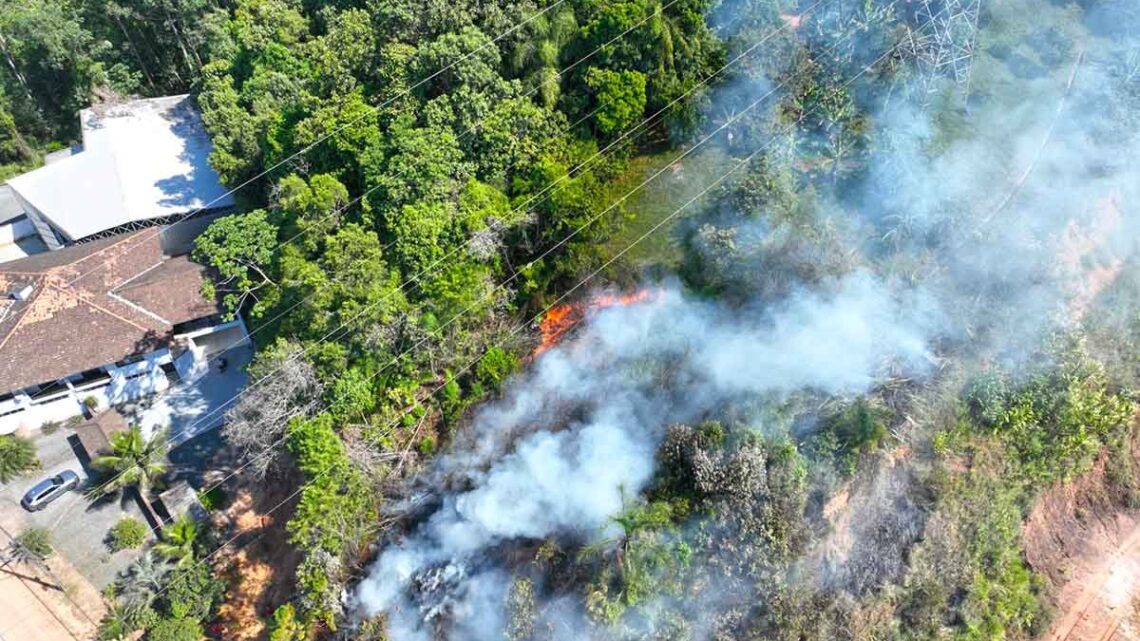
(882, 246)
(633, 371)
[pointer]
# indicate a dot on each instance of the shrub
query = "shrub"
(495, 366)
(212, 499)
(175, 629)
(191, 592)
(285, 626)
(857, 429)
(17, 455)
(128, 533)
(91, 402)
(427, 445)
(49, 428)
(36, 542)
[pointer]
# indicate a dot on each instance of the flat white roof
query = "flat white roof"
(10, 208)
(141, 160)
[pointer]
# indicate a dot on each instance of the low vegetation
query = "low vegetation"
(127, 534)
(17, 457)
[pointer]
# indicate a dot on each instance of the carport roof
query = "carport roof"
(95, 434)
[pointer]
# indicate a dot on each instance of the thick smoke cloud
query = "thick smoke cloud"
(637, 368)
(991, 240)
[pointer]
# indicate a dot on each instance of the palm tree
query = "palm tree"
(134, 460)
(17, 455)
(140, 585)
(32, 548)
(178, 539)
(536, 56)
(120, 622)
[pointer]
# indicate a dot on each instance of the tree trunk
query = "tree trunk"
(15, 69)
(190, 62)
(134, 50)
(173, 68)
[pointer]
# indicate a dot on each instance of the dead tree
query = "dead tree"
(942, 44)
(283, 385)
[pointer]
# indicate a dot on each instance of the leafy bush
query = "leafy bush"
(1056, 422)
(128, 533)
(17, 455)
(35, 543)
(495, 366)
(352, 397)
(858, 428)
(285, 626)
(213, 498)
(191, 592)
(175, 629)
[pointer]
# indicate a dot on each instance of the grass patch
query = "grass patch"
(658, 199)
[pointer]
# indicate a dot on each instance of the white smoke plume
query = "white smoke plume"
(639, 367)
(985, 240)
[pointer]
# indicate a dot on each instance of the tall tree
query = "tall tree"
(537, 55)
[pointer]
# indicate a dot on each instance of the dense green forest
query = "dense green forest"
(421, 181)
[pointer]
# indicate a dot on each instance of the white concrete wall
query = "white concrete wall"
(14, 231)
(128, 383)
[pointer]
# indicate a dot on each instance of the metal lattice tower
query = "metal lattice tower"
(943, 43)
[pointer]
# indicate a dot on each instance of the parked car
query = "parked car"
(49, 490)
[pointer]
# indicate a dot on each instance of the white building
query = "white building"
(142, 163)
(69, 333)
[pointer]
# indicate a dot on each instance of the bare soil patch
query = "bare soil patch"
(260, 561)
(1088, 549)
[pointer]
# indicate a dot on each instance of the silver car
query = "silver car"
(49, 490)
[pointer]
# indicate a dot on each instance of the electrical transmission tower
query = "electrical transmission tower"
(942, 44)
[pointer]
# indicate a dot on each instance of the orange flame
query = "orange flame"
(560, 319)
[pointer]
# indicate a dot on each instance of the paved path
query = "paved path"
(188, 410)
(26, 616)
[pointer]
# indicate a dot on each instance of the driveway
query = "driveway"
(192, 409)
(78, 527)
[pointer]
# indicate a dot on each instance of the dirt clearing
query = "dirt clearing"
(1088, 549)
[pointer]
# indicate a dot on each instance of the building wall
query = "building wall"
(127, 383)
(178, 238)
(46, 232)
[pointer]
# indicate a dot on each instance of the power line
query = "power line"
(541, 196)
(581, 283)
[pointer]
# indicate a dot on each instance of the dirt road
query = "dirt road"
(52, 604)
(1104, 609)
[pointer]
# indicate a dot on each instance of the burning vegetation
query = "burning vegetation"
(833, 425)
(557, 322)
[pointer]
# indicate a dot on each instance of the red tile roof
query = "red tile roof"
(78, 318)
